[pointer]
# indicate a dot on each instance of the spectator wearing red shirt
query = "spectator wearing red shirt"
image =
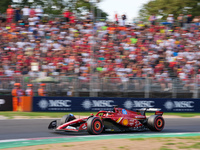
(72, 19)
(67, 15)
(116, 18)
(32, 12)
(9, 14)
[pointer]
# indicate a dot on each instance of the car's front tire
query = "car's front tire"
(94, 125)
(67, 118)
(156, 123)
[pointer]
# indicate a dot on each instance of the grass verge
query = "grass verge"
(11, 114)
(157, 143)
(191, 142)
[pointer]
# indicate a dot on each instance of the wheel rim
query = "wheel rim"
(159, 123)
(97, 126)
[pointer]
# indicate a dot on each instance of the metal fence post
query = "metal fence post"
(146, 87)
(92, 91)
(75, 83)
(195, 91)
(174, 89)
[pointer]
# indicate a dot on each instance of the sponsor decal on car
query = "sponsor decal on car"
(70, 127)
(137, 123)
(140, 117)
(124, 112)
(118, 120)
(132, 122)
(83, 127)
(125, 122)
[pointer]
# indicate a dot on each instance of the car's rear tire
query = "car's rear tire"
(94, 125)
(156, 123)
(67, 118)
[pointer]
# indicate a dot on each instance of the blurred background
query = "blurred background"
(109, 48)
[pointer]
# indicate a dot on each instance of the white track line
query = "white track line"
(148, 134)
(13, 140)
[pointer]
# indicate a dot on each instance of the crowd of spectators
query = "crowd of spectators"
(72, 47)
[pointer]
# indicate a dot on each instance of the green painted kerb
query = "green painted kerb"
(89, 138)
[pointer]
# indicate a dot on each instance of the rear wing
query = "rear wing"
(144, 110)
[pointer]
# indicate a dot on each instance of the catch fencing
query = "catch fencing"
(109, 87)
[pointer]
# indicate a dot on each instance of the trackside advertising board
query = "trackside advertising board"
(87, 104)
(6, 103)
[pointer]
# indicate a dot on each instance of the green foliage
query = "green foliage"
(89, 6)
(4, 5)
(75, 5)
(165, 7)
(26, 3)
(11, 114)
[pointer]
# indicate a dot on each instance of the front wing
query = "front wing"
(73, 126)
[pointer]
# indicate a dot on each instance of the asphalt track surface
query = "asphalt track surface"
(37, 128)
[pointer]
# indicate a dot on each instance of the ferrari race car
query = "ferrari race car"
(118, 120)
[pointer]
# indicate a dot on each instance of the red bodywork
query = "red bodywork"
(120, 117)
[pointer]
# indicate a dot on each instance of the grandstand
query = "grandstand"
(140, 60)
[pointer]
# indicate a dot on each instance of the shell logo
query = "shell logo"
(125, 122)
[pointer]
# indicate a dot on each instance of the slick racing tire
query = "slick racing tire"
(155, 123)
(67, 118)
(94, 125)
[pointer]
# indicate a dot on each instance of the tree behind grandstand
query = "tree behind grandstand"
(59, 5)
(165, 7)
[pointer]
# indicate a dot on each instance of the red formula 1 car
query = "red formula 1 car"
(118, 120)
